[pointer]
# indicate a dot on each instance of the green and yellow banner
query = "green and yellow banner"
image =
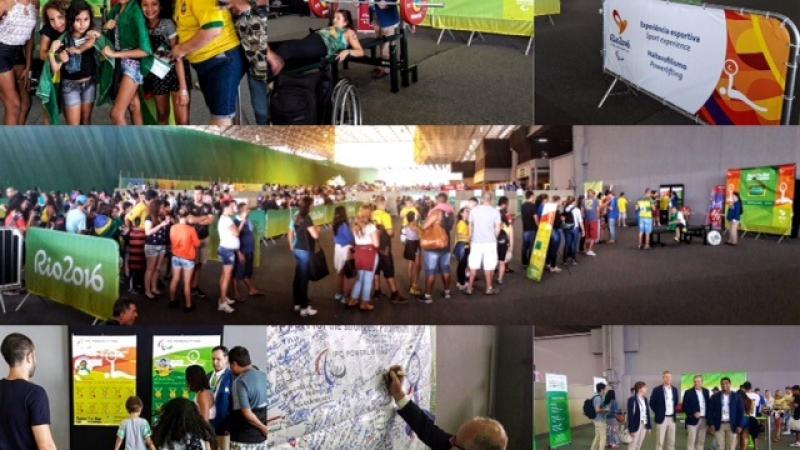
(509, 17)
(558, 410)
(542, 243)
(76, 270)
(546, 7)
(103, 377)
(171, 356)
(767, 195)
(713, 379)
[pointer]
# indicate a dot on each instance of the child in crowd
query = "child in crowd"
(175, 83)
(134, 430)
(677, 220)
(461, 250)
(410, 237)
(74, 57)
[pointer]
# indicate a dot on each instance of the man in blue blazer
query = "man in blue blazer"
(664, 402)
(638, 416)
(725, 415)
(695, 405)
(221, 380)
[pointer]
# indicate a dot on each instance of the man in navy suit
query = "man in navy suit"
(221, 379)
(664, 402)
(725, 415)
(695, 405)
(478, 433)
(638, 415)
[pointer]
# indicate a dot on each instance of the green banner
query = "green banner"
(539, 255)
(767, 195)
(277, 223)
(558, 410)
(596, 186)
(510, 17)
(712, 380)
(76, 270)
(171, 356)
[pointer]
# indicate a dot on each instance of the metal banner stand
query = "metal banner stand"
(609, 92)
(472, 35)
(441, 35)
(530, 46)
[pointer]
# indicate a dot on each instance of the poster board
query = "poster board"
(556, 389)
(767, 195)
(326, 388)
(717, 65)
(171, 356)
(596, 186)
(712, 380)
(535, 268)
(103, 377)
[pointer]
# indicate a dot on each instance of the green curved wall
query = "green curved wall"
(60, 158)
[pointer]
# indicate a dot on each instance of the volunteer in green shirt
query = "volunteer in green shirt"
(644, 207)
(207, 38)
(132, 50)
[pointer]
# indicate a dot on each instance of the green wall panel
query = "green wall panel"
(94, 157)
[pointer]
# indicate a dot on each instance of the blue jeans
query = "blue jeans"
(362, 289)
(302, 259)
(571, 239)
(259, 99)
(552, 250)
(436, 262)
(528, 238)
(219, 79)
(612, 229)
(461, 252)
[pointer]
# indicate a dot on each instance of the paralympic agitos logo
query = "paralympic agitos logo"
(622, 25)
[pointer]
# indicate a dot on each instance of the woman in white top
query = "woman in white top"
(181, 427)
(17, 26)
(197, 381)
(367, 242)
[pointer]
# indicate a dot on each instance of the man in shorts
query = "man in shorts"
(591, 220)
(644, 206)
(484, 226)
(383, 220)
(201, 215)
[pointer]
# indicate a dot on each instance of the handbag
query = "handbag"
(434, 237)
(318, 266)
(625, 437)
(365, 257)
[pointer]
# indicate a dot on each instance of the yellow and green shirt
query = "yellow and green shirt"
(191, 16)
(645, 207)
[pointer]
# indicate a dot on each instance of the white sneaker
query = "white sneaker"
(555, 269)
(224, 307)
(229, 301)
(591, 253)
(308, 311)
(794, 444)
(296, 308)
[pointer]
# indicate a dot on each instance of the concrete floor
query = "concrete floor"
(754, 283)
(490, 82)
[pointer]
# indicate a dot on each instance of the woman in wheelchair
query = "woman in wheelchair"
(339, 40)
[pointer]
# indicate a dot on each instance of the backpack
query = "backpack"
(588, 408)
(567, 219)
(294, 100)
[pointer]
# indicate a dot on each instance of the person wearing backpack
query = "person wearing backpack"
(600, 410)
(572, 221)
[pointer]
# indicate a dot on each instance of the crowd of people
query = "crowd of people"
(731, 418)
(148, 49)
(228, 410)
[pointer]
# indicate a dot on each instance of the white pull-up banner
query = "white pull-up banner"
(724, 66)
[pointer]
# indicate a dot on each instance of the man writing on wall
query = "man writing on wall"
(24, 406)
(480, 433)
(248, 421)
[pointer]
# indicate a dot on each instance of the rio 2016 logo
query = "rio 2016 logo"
(65, 271)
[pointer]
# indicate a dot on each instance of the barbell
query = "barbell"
(413, 11)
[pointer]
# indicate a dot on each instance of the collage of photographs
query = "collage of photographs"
(399, 224)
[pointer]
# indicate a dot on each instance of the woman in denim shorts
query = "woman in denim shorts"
(132, 51)
(156, 228)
